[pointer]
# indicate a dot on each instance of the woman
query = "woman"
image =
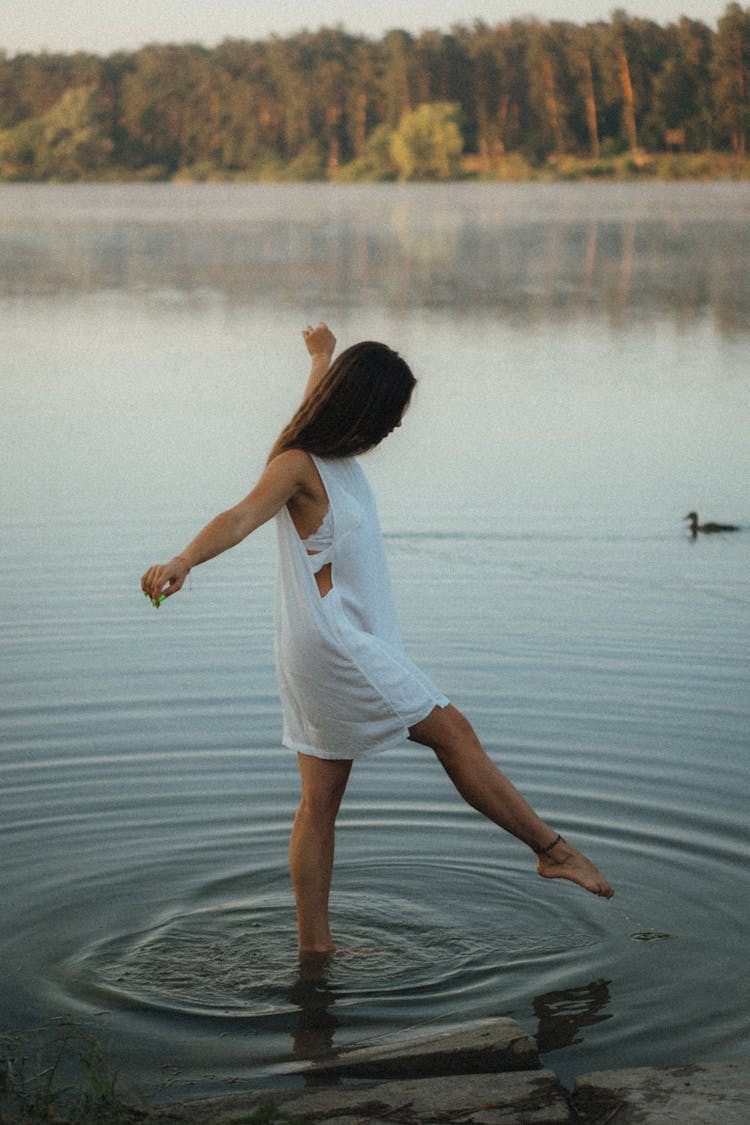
(347, 687)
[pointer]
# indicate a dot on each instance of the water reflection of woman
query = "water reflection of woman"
(347, 687)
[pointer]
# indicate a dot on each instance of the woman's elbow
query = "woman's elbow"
(237, 525)
(243, 519)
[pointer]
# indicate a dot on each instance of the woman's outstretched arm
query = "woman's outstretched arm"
(286, 477)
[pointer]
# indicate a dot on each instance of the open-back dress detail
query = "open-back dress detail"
(347, 687)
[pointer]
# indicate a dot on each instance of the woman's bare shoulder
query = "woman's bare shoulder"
(298, 465)
(293, 460)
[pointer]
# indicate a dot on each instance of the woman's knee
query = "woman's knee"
(444, 729)
(323, 785)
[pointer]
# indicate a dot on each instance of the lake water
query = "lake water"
(582, 354)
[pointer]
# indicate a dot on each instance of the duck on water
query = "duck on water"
(707, 528)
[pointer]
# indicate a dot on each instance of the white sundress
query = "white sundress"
(347, 687)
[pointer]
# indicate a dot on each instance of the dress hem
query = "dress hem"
(370, 751)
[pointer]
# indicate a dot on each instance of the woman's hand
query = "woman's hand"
(320, 341)
(161, 581)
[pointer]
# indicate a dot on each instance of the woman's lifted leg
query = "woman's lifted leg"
(483, 786)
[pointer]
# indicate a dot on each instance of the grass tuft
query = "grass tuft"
(61, 1075)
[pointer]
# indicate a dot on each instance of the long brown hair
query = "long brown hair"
(359, 400)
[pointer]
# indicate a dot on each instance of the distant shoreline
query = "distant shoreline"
(513, 168)
(515, 101)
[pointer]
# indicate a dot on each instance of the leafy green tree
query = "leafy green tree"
(153, 96)
(682, 100)
(732, 77)
(172, 108)
(514, 117)
(544, 62)
(428, 144)
(364, 106)
(578, 44)
(74, 134)
(20, 152)
(648, 46)
(375, 161)
(441, 69)
(480, 103)
(621, 49)
(288, 90)
(67, 143)
(332, 53)
(310, 164)
(397, 69)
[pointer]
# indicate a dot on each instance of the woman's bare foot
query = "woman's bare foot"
(561, 860)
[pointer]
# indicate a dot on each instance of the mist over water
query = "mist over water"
(581, 353)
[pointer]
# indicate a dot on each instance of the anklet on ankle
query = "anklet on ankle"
(543, 851)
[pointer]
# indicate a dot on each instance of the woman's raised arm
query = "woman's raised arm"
(285, 477)
(320, 343)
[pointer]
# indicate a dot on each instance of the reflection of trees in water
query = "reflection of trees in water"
(533, 256)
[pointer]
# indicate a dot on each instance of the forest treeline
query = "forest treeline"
(328, 104)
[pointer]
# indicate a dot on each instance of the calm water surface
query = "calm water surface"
(582, 356)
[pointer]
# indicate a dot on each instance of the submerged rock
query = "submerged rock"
(483, 1074)
(489, 1047)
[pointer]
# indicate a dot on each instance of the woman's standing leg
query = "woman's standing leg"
(487, 789)
(311, 848)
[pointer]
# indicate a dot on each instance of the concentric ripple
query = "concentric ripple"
(407, 930)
